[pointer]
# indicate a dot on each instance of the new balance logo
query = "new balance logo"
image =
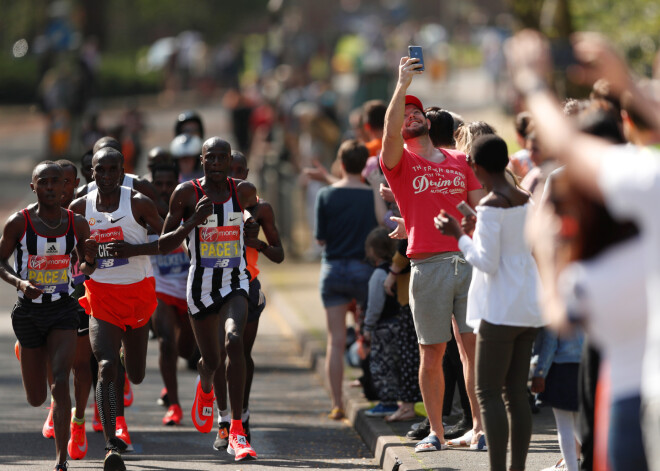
(207, 411)
(52, 249)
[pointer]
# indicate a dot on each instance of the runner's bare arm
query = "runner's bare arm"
(392, 138)
(11, 235)
(78, 206)
(266, 219)
(86, 248)
(183, 207)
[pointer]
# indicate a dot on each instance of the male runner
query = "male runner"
(130, 180)
(42, 238)
(264, 216)
(144, 187)
(218, 280)
(120, 295)
(157, 156)
(170, 320)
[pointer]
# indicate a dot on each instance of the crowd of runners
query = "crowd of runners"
(447, 250)
(174, 251)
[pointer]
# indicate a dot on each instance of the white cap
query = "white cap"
(186, 145)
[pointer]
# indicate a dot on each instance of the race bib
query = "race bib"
(104, 237)
(220, 246)
(173, 263)
(77, 277)
(49, 272)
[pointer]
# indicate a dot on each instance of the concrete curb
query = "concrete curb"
(391, 452)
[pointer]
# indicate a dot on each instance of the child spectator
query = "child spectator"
(555, 379)
(381, 324)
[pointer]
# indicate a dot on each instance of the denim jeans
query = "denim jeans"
(343, 280)
(625, 445)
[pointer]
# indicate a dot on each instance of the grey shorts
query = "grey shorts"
(438, 288)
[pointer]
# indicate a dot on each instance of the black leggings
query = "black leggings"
(502, 365)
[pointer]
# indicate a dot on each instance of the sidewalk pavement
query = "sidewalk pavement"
(293, 290)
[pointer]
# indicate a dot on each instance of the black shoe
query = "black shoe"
(164, 399)
(116, 444)
(61, 467)
(222, 438)
(113, 461)
(533, 402)
(458, 430)
(421, 431)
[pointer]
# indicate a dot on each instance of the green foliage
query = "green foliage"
(632, 25)
(18, 80)
(118, 76)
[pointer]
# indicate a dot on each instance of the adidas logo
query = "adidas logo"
(52, 249)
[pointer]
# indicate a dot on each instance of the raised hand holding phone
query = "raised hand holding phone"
(415, 52)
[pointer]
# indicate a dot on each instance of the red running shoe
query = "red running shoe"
(97, 426)
(128, 391)
(202, 409)
(173, 416)
(121, 432)
(77, 446)
(48, 431)
(240, 448)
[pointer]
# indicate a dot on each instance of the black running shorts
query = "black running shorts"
(33, 322)
(83, 324)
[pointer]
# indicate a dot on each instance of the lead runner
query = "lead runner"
(212, 209)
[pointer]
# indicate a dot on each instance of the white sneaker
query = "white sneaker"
(560, 466)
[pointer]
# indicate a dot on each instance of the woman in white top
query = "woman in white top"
(502, 302)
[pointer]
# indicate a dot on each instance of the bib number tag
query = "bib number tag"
(104, 237)
(49, 272)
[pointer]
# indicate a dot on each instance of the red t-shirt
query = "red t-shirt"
(422, 188)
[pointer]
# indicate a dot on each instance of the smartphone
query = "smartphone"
(465, 209)
(416, 53)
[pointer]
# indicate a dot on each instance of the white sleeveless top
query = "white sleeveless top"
(171, 271)
(218, 263)
(118, 225)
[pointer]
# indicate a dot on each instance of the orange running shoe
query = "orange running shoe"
(173, 416)
(48, 431)
(128, 391)
(121, 432)
(17, 350)
(97, 426)
(202, 409)
(77, 446)
(240, 448)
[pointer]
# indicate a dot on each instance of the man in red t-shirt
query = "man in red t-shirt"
(424, 180)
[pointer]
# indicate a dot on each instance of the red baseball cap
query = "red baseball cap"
(413, 100)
